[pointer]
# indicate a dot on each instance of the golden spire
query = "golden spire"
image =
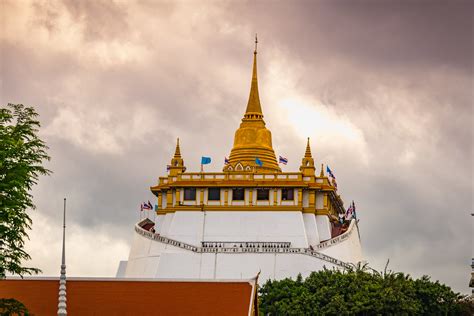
(307, 163)
(177, 152)
(307, 154)
(322, 171)
(177, 163)
(254, 109)
(252, 139)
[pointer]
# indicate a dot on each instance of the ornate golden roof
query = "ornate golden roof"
(252, 139)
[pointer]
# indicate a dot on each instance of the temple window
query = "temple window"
(287, 194)
(263, 194)
(214, 194)
(189, 194)
(238, 194)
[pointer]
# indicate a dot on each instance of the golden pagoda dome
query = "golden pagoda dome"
(252, 150)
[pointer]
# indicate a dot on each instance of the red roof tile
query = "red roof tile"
(134, 297)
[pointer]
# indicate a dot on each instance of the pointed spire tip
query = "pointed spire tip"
(256, 42)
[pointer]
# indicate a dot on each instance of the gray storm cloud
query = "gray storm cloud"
(383, 90)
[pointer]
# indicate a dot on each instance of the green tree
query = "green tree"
(22, 153)
(10, 306)
(360, 291)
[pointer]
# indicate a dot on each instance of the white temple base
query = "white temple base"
(176, 250)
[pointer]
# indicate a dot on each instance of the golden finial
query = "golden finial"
(256, 42)
(322, 171)
(177, 152)
(308, 150)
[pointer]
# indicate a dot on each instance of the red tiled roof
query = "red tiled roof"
(134, 297)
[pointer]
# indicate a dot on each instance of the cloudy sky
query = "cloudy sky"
(383, 88)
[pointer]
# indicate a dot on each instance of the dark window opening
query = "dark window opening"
(214, 194)
(238, 194)
(263, 194)
(287, 194)
(190, 194)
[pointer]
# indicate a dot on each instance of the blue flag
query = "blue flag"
(205, 160)
(330, 172)
(258, 162)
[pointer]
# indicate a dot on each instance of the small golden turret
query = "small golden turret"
(253, 140)
(307, 163)
(177, 163)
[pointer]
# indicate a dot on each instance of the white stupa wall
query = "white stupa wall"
(193, 227)
(153, 259)
(150, 259)
(324, 227)
(311, 229)
(349, 250)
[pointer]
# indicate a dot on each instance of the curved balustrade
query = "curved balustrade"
(245, 244)
(338, 239)
(179, 244)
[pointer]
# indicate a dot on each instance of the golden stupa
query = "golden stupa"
(253, 140)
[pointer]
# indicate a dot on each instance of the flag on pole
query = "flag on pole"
(354, 210)
(349, 213)
(258, 162)
(330, 173)
(146, 206)
(282, 160)
(205, 160)
(226, 161)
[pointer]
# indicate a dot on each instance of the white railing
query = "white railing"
(245, 244)
(179, 244)
(338, 239)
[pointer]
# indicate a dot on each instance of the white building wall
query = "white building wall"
(288, 266)
(319, 200)
(163, 200)
(159, 222)
(122, 268)
(153, 259)
(305, 198)
(349, 250)
(187, 227)
(254, 226)
(324, 227)
(180, 265)
(311, 229)
(166, 223)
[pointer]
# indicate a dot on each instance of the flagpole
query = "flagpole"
(356, 219)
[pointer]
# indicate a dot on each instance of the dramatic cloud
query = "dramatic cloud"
(384, 90)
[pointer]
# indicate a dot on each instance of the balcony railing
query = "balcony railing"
(198, 176)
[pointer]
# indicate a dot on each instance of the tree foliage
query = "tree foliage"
(10, 306)
(22, 153)
(360, 291)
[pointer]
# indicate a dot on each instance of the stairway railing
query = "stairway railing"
(183, 245)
